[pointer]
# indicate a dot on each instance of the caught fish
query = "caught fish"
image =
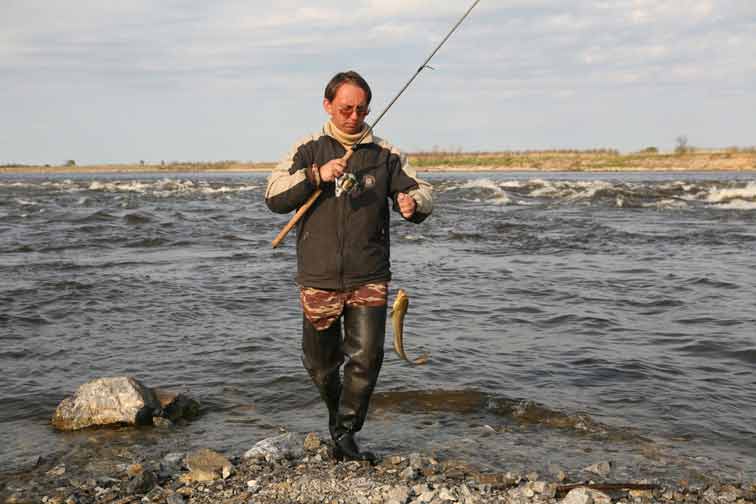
(398, 311)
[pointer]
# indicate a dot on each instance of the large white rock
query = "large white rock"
(107, 401)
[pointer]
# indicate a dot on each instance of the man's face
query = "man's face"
(348, 108)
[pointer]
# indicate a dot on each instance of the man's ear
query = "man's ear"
(327, 106)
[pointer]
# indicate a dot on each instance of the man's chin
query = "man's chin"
(352, 129)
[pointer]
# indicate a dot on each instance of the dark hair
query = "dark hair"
(350, 77)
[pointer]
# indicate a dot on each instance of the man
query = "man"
(343, 250)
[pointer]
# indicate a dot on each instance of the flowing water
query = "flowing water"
(570, 318)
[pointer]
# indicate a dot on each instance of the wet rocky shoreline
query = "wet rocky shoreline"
(292, 468)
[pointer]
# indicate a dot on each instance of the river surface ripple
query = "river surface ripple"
(570, 318)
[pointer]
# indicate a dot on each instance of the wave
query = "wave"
(724, 195)
(674, 195)
(163, 187)
(484, 190)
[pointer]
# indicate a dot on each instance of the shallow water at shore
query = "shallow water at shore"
(569, 317)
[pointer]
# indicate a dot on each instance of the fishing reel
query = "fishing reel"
(346, 184)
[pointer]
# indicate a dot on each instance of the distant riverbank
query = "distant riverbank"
(561, 160)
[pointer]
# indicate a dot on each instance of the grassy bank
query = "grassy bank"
(563, 160)
(599, 160)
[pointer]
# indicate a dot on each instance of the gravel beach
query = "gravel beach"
(304, 472)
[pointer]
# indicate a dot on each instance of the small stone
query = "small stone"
(177, 406)
(173, 458)
(399, 494)
(528, 491)
(730, 493)
(539, 486)
(394, 460)
(161, 422)
(599, 497)
(59, 470)
(532, 476)
(416, 461)
(284, 446)
(420, 489)
(311, 442)
(206, 465)
(578, 496)
(445, 494)
(602, 469)
(545, 489)
(641, 494)
(141, 483)
(464, 491)
(426, 496)
(409, 474)
(561, 476)
(134, 469)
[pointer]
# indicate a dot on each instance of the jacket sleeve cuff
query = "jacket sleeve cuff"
(313, 175)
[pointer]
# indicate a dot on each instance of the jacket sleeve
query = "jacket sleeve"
(404, 179)
(291, 182)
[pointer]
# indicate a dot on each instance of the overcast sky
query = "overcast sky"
(103, 81)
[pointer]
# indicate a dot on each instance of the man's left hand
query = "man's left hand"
(407, 205)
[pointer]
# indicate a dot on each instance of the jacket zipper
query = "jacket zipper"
(340, 232)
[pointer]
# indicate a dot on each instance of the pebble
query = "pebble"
(311, 442)
(602, 469)
(409, 474)
(134, 469)
(416, 461)
(399, 494)
(57, 471)
(446, 494)
(141, 483)
(578, 496)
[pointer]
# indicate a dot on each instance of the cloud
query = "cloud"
(277, 56)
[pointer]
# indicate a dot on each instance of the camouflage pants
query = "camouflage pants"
(323, 307)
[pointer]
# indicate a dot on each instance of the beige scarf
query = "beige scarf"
(346, 139)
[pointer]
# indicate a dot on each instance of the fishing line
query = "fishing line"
(414, 76)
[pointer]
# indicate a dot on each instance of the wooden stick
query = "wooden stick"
(303, 209)
(606, 487)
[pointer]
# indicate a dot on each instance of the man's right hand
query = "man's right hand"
(332, 169)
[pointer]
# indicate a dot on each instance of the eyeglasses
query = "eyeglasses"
(348, 110)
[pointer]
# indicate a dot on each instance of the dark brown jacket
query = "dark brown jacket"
(344, 242)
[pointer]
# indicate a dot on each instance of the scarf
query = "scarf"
(346, 139)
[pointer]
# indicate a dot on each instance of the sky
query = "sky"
(107, 81)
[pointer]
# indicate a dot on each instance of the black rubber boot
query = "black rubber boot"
(345, 448)
(364, 334)
(321, 357)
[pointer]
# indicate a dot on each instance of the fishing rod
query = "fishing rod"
(414, 76)
(348, 181)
